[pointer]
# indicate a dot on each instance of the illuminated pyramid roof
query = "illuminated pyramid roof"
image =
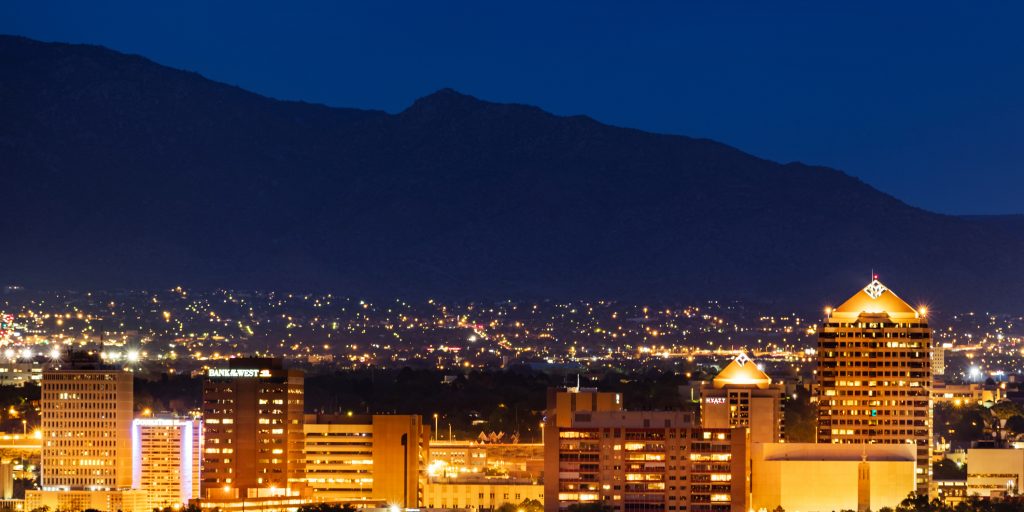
(742, 372)
(874, 298)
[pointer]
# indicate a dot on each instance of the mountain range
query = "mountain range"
(119, 172)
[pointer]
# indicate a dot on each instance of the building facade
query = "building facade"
(86, 423)
(167, 451)
(635, 461)
(472, 475)
(366, 460)
(253, 441)
(994, 472)
(845, 477)
(874, 375)
(86, 456)
(742, 395)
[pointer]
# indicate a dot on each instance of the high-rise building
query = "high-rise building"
(166, 459)
(366, 460)
(742, 395)
(874, 375)
(638, 461)
(86, 423)
(86, 459)
(253, 415)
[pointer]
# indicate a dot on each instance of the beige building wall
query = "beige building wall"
(994, 472)
(477, 495)
(823, 477)
(562, 403)
(86, 424)
(376, 460)
(76, 501)
(399, 460)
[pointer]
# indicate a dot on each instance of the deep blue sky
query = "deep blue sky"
(924, 101)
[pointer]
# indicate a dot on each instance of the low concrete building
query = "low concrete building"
(823, 477)
(106, 501)
(994, 472)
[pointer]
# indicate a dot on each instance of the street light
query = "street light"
(435, 426)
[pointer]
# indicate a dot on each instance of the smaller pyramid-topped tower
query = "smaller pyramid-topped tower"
(742, 395)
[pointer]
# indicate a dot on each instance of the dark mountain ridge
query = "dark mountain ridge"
(123, 173)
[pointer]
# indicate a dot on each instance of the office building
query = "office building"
(874, 375)
(253, 441)
(972, 393)
(634, 461)
(994, 473)
(86, 460)
(479, 493)
(166, 454)
(939, 359)
(454, 459)
(742, 395)
(471, 475)
(366, 460)
(809, 476)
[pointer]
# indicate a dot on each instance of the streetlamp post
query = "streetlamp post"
(435, 427)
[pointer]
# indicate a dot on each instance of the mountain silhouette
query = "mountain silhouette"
(122, 173)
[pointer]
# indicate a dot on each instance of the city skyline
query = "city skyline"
(497, 257)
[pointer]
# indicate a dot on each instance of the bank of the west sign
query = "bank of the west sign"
(237, 372)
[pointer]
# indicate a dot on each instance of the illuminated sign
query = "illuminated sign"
(875, 289)
(237, 372)
(714, 400)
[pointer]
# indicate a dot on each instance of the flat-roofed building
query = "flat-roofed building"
(166, 455)
(479, 493)
(814, 476)
(86, 460)
(874, 375)
(481, 476)
(563, 403)
(366, 460)
(742, 395)
(453, 459)
(633, 461)
(253, 437)
(966, 394)
(994, 472)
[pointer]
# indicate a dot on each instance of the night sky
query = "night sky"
(922, 100)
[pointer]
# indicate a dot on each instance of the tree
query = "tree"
(778, 509)
(327, 507)
(1005, 410)
(1015, 425)
(594, 506)
(529, 505)
(946, 469)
